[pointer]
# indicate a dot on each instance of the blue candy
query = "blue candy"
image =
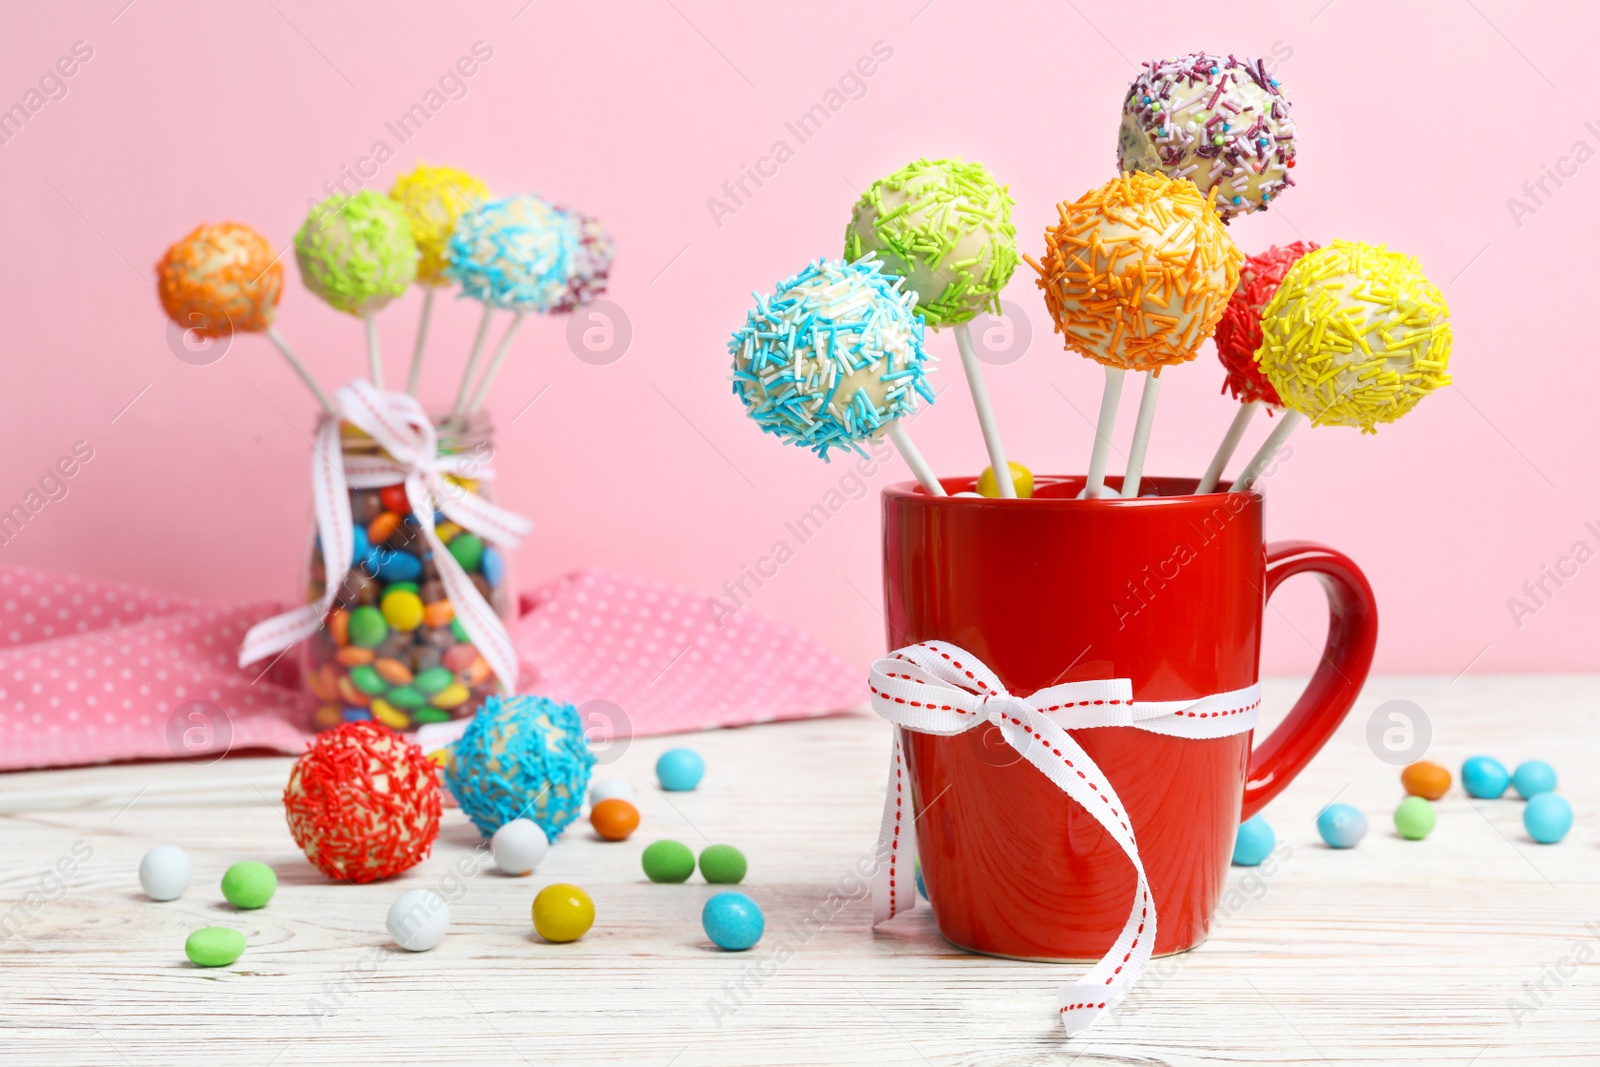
(1532, 778)
(493, 566)
(1254, 842)
(732, 921)
(1341, 825)
(680, 769)
(394, 566)
(1547, 818)
(1484, 777)
(362, 547)
(922, 886)
(356, 714)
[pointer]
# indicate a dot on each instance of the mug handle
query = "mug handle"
(1346, 659)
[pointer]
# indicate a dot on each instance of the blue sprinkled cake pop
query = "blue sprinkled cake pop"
(521, 757)
(833, 357)
(515, 253)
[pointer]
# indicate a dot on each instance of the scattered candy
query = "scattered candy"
(1532, 778)
(562, 913)
(1414, 818)
(521, 756)
(363, 803)
(214, 946)
(732, 921)
(513, 253)
(614, 819)
(668, 861)
(723, 865)
(165, 872)
(418, 920)
(249, 884)
(1254, 842)
(612, 789)
(519, 847)
(680, 769)
(356, 252)
(1484, 777)
(1547, 818)
(1341, 825)
(1427, 780)
(433, 200)
(1021, 479)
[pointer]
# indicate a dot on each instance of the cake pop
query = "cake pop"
(433, 198)
(1237, 338)
(224, 279)
(944, 226)
(1135, 276)
(834, 357)
(522, 757)
(1356, 335)
(1221, 122)
(515, 253)
(357, 254)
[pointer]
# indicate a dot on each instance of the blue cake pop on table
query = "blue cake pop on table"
(521, 757)
(516, 253)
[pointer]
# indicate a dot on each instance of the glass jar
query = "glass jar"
(390, 647)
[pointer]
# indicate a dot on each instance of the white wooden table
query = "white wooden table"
(1398, 952)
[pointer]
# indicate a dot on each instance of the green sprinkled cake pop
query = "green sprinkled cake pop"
(945, 227)
(356, 252)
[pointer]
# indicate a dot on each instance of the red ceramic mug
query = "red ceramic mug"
(1167, 591)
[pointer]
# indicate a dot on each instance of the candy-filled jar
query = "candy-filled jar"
(393, 646)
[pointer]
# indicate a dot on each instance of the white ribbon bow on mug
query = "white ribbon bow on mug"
(937, 688)
(399, 426)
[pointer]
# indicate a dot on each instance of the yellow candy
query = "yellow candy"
(469, 484)
(1021, 479)
(402, 609)
(389, 715)
(328, 716)
(433, 198)
(562, 912)
(451, 696)
(447, 531)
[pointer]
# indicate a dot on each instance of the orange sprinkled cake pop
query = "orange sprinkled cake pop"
(221, 278)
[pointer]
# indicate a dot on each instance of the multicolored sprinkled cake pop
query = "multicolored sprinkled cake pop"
(1356, 335)
(1135, 276)
(944, 226)
(834, 357)
(1221, 122)
(433, 199)
(592, 251)
(1237, 338)
(357, 254)
(223, 279)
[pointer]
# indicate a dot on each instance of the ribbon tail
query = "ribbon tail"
(894, 881)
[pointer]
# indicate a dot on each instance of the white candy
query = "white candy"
(418, 920)
(164, 873)
(611, 789)
(519, 846)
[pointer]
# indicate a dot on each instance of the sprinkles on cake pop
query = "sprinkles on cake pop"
(1239, 330)
(945, 227)
(592, 250)
(433, 199)
(1221, 122)
(514, 253)
(356, 252)
(522, 757)
(1355, 335)
(219, 279)
(832, 357)
(1137, 272)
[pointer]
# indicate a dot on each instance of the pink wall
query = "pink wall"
(1418, 122)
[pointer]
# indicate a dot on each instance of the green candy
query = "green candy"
(1414, 818)
(368, 627)
(248, 885)
(467, 548)
(668, 861)
(368, 681)
(459, 632)
(356, 252)
(723, 865)
(406, 696)
(433, 680)
(410, 587)
(430, 715)
(214, 946)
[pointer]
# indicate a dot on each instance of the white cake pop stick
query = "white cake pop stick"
(1141, 433)
(422, 338)
(1268, 449)
(299, 368)
(1230, 441)
(980, 401)
(914, 460)
(494, 364)
(1104, 428)
(472, 360)
(374, 361)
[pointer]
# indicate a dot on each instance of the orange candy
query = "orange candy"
(383, 526)
(439, 613)
(324, 682)
(355, 656)
(614, 819)
(352, 696)
(1427, 780)
(393, 671)
(339, 627)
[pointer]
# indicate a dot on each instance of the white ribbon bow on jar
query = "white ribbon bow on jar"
(399, 426)
(937, 688)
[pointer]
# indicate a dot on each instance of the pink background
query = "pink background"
(1418, 122)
